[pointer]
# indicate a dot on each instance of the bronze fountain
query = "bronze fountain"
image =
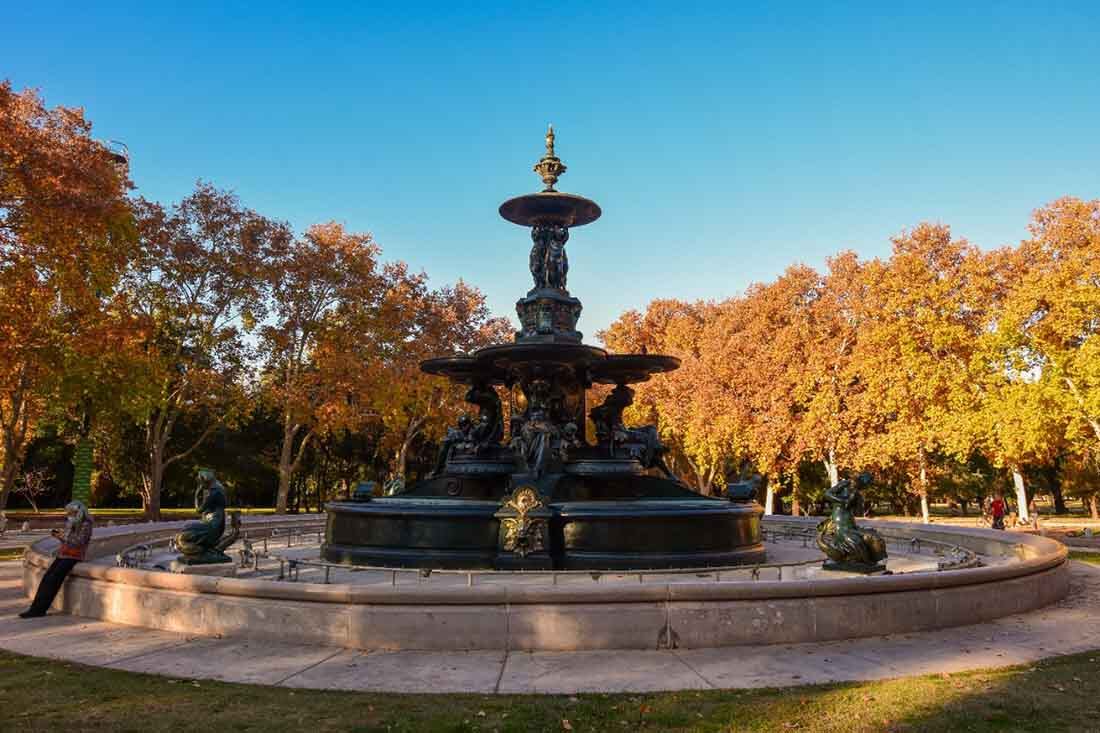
(540, 496)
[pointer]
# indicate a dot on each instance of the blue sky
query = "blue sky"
(724, 141)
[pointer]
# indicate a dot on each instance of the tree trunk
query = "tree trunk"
(150, 495)
(831, 468)
(1021, 494)
(7, 480)
(1094, 507)
(151, 481)
(289, 462)
(14, 428)
(285, 451)
(403, 454)
(769, 499)
(796, 508)
(706, 482)
(1054, 483)
(1059, 499)
(924, 510)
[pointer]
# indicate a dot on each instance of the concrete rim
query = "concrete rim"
(1068, 627)
(688, 614)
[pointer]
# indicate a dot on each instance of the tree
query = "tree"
(705, 440)
(32, 485)
(326, 270)
(1051, 319)
(832, 429)
(66, 234)
(924, 316)
(754, 352)
(413, 324)
(200, 286)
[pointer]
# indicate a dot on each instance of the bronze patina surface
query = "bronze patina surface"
(848, 546)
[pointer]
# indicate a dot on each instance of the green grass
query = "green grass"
(1061, 694)
(11, 553)
(1089, 557)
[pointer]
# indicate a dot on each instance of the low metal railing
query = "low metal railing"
(137, 555)
(254, 549)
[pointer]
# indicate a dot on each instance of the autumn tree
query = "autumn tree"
(703, 444)
(417, 323)
(753, 353)
(1051, 320)
(316, 283)
(200, 286)
(831, 427)
(924, 315)
(66, 234)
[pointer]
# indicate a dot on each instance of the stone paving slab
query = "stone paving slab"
(230, 660)
(1068, 626)
(95, 643)
(776, 666)
(597, 671)
(404, 672)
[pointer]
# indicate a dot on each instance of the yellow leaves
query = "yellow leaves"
(941, 347)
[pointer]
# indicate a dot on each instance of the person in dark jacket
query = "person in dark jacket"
(74, 545)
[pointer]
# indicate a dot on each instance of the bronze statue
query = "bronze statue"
(744, 491)
(609, 414)
(536, 442)
(490, 419)
(847, 545)
(394, 486)
(537, 262)
(457, 438)
(202, 543)
(643, 444)
(557, 263)
(548, 262)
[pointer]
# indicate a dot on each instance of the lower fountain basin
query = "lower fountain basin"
(596, 535)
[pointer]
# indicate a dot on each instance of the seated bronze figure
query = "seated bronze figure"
(201, 542)
(848, 546)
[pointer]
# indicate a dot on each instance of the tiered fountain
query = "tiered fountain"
(544, 497)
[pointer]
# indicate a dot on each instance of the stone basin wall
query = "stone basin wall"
(547, 617)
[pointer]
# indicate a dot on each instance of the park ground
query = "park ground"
(1058, 694)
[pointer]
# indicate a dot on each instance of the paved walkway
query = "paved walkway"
(1067, 627)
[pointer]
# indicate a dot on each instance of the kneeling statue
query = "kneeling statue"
(848, 546)
(202, 543)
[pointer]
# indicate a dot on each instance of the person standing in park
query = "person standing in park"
(74, 544)
(997, 510)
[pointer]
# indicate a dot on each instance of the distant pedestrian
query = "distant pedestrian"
(998, 509)
(1033, 514)
(74, 544)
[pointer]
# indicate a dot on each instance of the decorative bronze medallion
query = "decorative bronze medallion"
(522, 533)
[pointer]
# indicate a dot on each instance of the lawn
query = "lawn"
(1061, 694)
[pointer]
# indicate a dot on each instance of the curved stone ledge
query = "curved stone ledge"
(600, 616)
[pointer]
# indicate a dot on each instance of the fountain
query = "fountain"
(555, 534)
(545, 497)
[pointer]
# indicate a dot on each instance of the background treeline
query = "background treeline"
(948, 371)
(205, 334)
(202, 333)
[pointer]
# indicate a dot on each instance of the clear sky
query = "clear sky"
(724, 141)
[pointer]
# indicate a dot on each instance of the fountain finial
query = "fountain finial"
(550, 167)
